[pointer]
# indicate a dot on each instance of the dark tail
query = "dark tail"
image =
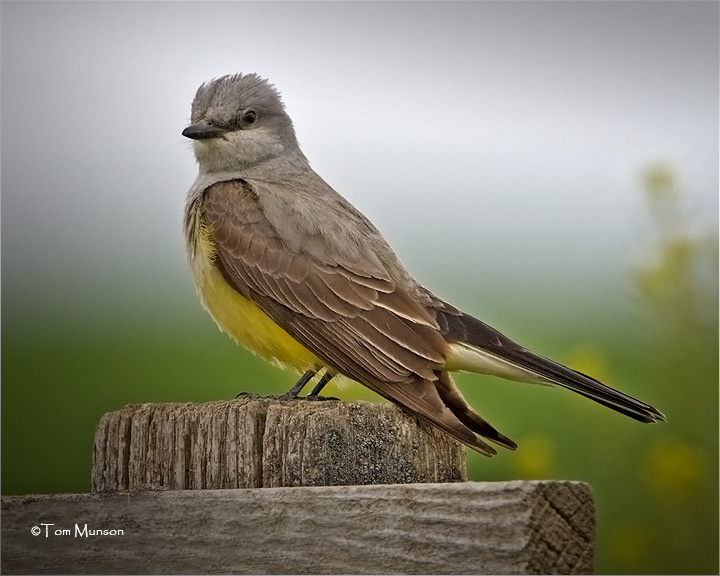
(463, 328)
(588, 387)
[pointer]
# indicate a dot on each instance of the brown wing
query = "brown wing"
(351, 315)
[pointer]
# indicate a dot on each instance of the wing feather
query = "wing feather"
(353, 294)
(360, 322)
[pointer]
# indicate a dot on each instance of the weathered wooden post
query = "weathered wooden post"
(268, 442)
(270, 486)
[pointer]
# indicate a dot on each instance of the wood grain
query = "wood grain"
(462, 528)
(269, 442)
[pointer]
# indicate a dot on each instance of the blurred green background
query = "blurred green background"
(656, 486)
(550, 167)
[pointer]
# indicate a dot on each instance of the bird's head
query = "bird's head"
(238, 121)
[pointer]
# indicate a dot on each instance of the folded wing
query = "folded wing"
(350, 314)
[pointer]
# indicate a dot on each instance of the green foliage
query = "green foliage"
(678, 283)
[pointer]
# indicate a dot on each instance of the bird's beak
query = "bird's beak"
(203, 131)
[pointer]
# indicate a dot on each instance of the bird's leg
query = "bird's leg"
(299, 385)
(319, 386)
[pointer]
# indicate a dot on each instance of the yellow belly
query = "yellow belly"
(250, 326)
(237, 316)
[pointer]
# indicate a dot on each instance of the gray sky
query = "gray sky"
(484, 139)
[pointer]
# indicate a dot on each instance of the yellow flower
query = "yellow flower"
(536, 459)
(588, 359)
(674, 468)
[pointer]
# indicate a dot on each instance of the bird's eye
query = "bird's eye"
(250, 117)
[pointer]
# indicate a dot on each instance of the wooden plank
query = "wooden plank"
(462, 528)
(269, 442)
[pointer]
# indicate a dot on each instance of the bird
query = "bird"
(291, 270)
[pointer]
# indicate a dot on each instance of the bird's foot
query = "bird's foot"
(250, 395)
(289, 396)
(320, 398)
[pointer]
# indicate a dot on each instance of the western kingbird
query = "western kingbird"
(291, 270)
